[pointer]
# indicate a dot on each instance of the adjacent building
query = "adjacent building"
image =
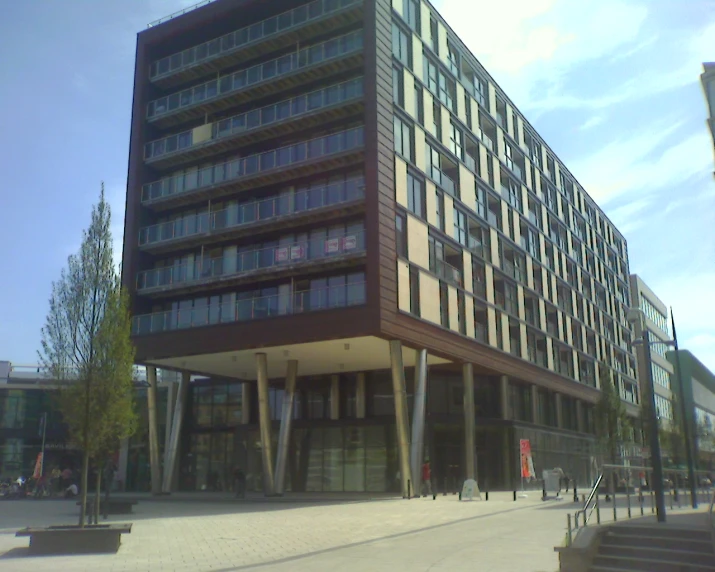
(708, 80)
(336, 215)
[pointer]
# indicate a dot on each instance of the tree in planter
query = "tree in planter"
(85, 343)
(611, 419)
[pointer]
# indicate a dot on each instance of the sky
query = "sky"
(612, 86)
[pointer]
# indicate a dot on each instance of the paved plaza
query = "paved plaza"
(220, 534)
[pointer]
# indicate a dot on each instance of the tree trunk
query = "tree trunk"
(97, 497)
(83, 492)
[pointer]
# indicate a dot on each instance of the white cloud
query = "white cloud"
(592, 122)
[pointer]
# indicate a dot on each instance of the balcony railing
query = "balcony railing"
(268, 71)
(253, 164)
(442, 180)
(259, 118)
(250, 261)
(448, 272)
(245, 36)
(255, 211)
(351, 294)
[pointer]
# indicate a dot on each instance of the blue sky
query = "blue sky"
(611, 85)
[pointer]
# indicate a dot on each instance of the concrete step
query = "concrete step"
(636, 564)
(661, 554)
(695, 545)
(657, 531)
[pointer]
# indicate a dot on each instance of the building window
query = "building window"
(479, 279)
(480, 206)
(419, 105)
(401, 45)
(434, 35)
(416, 195)
(460, 227)
(411, 11)
(447, 91)
(456, 141)
(430, 74)
(398, 87)
(443, 304)
(403, 138)
(414, 291)
(453, 59)
(501, 112)
(401, 235)
(440, 209)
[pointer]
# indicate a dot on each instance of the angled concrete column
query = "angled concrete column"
(418, 420)
(401, 420)
(559, 412)
(535, 405)
(264, 422)
(245, 403)
(360, 396)
(579, 416)
(504, 396)
(335, 397)
(171, 459)
(469, 453)
(154, 463)
(170, 405)
(286, 421)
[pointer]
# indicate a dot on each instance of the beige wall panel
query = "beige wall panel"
(569, 334)
(492, 99)
(448, 215)
(501, 145)
(461, 105)
(453, 308)
(201, 133)
(560, 324)
(517, 227)
(442, 42)
(574, 360)
(410, 94)
(506, 344)
(469, 315)
(417, 243)
(510, 120)
(429, 298)
(428, 102)
(431, 203)
(489, 282)
(403, 286)
(492, 327)
(417, 64)
(522, 335)
(537, 190)
(520, 128)
(550, 352)
(494, 242)
(400, 181)
(520, 301)
(446, 125)
(474, 107)
(467, 264)
(420, 149)
(529, 272)
(466, 187)
(505, 218)
(397, 6)
(425, 20)
(483, 158)
(542, 314)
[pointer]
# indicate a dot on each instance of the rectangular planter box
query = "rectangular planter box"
(116, 506)
(71, 539)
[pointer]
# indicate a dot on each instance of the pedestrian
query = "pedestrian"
(426, 479)
(239, 482)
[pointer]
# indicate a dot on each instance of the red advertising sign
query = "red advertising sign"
(349, 242)
(527, 462)
(332, 245)
(297, 252)
(282, 254)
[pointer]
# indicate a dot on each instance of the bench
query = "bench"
(116, 505)
(71, 539)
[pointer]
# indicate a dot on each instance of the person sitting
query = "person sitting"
(71, 491)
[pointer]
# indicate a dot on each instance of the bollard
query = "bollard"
(640, 500)
(628, 498)
(409, 492)
(514, 496)
(434, 496)
(460, 495)
(652, 504)
(486, 495)
(598, 510)
(543, 493)
(575, 493)
(568, 525)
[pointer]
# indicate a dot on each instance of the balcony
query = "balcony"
(329, 151)
(285, 118)
(301, 302)
(252, 265)
(339, 54)
(448, 273)
(244, 44)
(286, 210)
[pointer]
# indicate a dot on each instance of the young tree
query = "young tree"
(612, 421)
(85, 342)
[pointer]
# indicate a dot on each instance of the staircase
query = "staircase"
(630, 548)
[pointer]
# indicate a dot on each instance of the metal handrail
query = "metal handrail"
(586, 513)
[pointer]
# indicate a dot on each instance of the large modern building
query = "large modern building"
(336, 214)
(708, 80)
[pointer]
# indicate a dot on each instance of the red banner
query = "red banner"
(38, 467)
(527, 462)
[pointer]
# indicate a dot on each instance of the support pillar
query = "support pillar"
(122, 464)
(398, 388)
(286, 421)
(504, 396)
(559, 411)
(469, 452)
(170, 406)
(245, 403)
(154, 463)
(360, 396)
(418, 420)
(171, 458)
(334, 397)
(264, 421)
(535, 405)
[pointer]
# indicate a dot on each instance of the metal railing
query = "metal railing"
(242, 37)
(267, 71)
(620, 481)
(245, 261)
(258, 118)
(254, 211)
(253, 164)
(344, 295)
